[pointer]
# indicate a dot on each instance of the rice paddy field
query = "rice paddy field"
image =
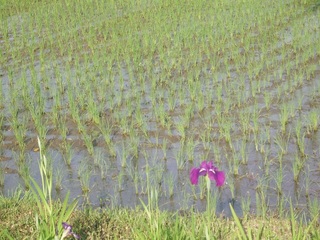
(127, 96)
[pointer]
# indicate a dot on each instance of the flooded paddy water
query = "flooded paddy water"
(127, 100)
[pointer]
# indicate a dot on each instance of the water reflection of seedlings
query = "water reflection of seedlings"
(158, 174)
(1, 176)
(98, 158)
(169, 181)
(261, 203)
(245, 205)
(24, 171)
(179, 156)
(266, 160)
(134, 174)
(120, 180)
(206, 140)
(104, 166)
(142, 183)
(164, 148)
(190, 145)
(235, 163)
(58, 178)
(255, 118)
(307, 183)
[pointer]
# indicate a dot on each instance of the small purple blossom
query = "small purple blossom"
(68, 231)
(207, 169)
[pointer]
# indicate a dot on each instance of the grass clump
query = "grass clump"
(17, 219)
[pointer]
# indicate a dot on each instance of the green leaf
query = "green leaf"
(242, 233)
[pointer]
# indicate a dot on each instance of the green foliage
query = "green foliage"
(49, 218)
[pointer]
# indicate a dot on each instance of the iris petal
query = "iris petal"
(204, 165)
(211, 174)
(220, 178)
(194, 175)
(203, 172)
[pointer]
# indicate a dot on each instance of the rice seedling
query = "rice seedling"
(307, 183)
(189, 148)
(244, 120)
(88, 141)
(84, 175)
(180, 156)
(225, 131)
(63, 129)
(313, 121)
(133, 172)
(297, 166)
(284, 117)
(282, 142)
(134, 144)
(20, 130)
(313, 207)
(279, 180)
(181, 128)
(255, 119)
(67, 152)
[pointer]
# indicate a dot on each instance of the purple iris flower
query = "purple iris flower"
(68, 231)
(207, 169)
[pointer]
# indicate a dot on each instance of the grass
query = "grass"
(139, 223)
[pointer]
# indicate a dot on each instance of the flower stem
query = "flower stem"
(208, 194)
